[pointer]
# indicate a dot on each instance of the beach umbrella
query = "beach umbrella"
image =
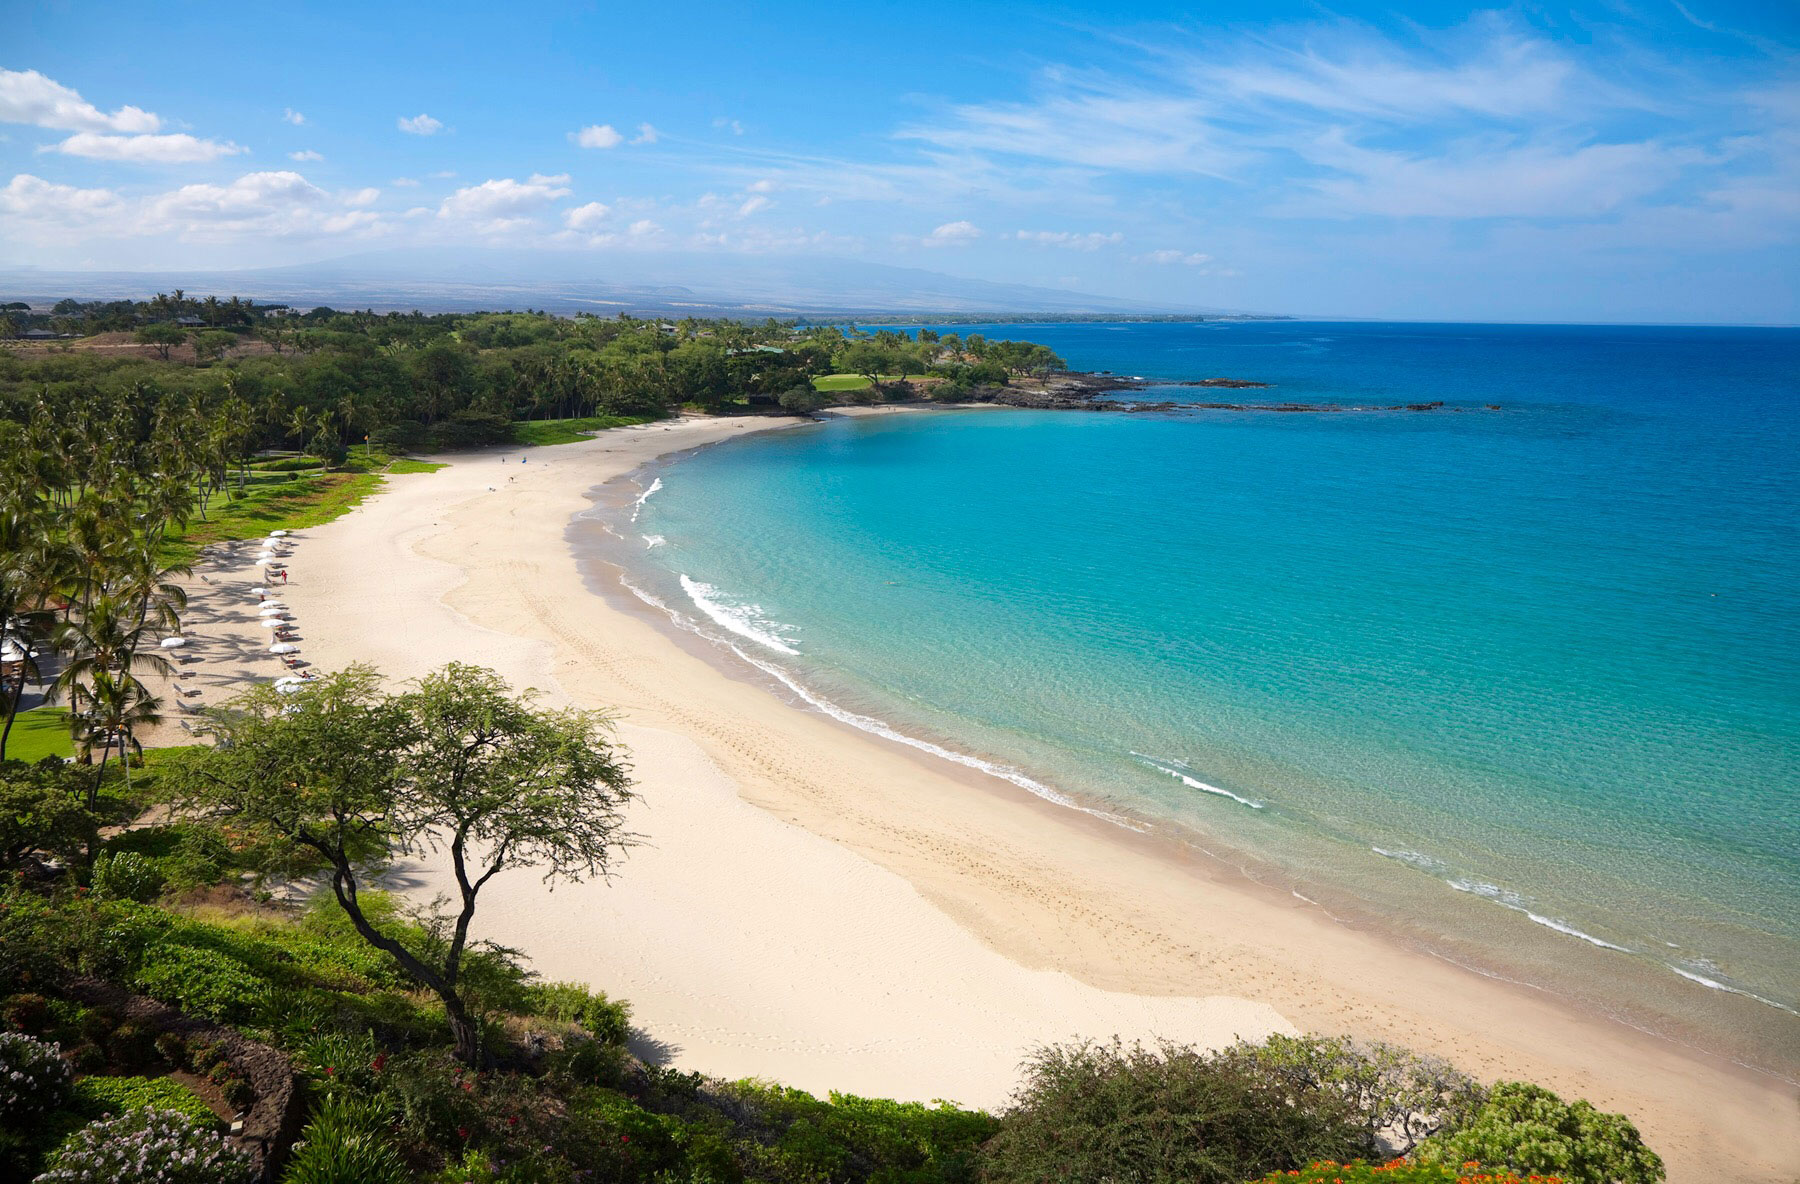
(271, 603)
(288, 680)
(258, 590)
(172, 643)
(284, 647)
(278, 611)
(286, 688)
(272, 623)
(276, 534)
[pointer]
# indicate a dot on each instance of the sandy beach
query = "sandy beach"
(816, 906)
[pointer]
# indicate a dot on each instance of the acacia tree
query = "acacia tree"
(347, 777)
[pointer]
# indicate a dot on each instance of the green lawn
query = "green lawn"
(271, 505)
(38, 733)
(568, 431)
(407, 464)
(853, 382)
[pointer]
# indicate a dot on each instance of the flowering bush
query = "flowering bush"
(1400, 1171)
(34, 1079)
(147, 1147)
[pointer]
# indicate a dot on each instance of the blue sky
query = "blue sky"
(1628, 160)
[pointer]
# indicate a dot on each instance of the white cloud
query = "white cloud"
(599, 135)
(419, 125)
(362, 197)
(503, 204)
(766, 185)
(752, 205)
(178, 148)
(1074, 241)
(952, 234)
(305, 155)
(586, 217)
(1168, 256)
(405, 182)
(294, 117)
(646, 134)
(256, 206)
(28, 97)
(731, 125)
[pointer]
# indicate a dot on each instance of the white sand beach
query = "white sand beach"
(817, 906)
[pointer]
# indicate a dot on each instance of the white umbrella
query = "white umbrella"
(258, 591)
(172, 643)
(276, 534)
(284, 647)
(266, 555)
(272, 623)
(271, 603)
(288, 680)
(286, 688)
(277, 611)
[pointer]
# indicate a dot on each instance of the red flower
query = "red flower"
(379, 1063)
(330, 1072)
(624, 1138)
(462, 1132)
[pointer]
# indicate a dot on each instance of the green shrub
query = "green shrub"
(1530, 1130)
(126, 875)
(1398, 1172)
(34, 1079)
(346, 1143)
(853, 1138)
(204, 981)
(607, 1020)
(1099, 1112)
(1402, 1098)
(99, 1096)
(147, 1147)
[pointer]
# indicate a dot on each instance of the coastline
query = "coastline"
(876, 926)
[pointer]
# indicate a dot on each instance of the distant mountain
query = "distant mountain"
(670, 284)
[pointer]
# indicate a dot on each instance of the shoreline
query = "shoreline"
(901, 935)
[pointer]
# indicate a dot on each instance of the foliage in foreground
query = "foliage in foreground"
(147, 1147)
(34, 1079)
(1169, 1114)
(1530, 1129)
(1401, 1171)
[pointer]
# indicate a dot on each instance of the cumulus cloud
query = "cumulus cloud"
(419, 125)
(27, 96)
(599, 135)
(294, 117)
(647, 134)
(305, 155)
(1169, 256)
(503, 203)
(362, 197)
(752, 205)
(766, 185)
(730, 125)
(952, 234)
(266, 205)
(405, 182)
(586, 217)
(178, 148)
(1091, 241)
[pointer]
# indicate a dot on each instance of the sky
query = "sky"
(1624, 160)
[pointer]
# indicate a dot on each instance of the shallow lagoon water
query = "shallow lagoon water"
(1539, 664)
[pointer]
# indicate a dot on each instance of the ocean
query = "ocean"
(1517, 680)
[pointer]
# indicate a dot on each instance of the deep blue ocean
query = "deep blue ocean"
(1526, 676)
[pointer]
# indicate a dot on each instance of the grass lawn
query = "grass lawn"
(272, 505)
(407, 464)
(38, 733)
(568, 431)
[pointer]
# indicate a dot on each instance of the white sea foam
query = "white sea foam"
(745, 620)
(1716, 985)
(869, 723)
(638, 505)
(1512, 900)
(653, 540)
(1416, 859)
(1167, 767)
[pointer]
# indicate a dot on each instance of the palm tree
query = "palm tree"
(107, 638)
(26, 558)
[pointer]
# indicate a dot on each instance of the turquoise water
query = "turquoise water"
(1527, 676)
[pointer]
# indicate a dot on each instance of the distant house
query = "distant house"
(39, 335)
(281, 310)
(189, 322)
